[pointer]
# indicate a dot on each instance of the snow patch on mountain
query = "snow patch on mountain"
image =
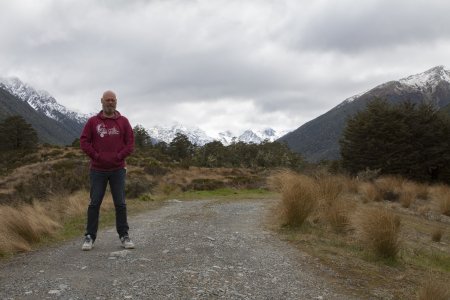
(168, 133)
(428, 79)
(41, 100)
(199, 137)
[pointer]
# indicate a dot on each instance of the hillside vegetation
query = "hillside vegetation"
(389, 234)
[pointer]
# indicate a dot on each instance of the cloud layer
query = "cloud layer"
(219, 64)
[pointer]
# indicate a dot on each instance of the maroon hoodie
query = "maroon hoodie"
(107, 141)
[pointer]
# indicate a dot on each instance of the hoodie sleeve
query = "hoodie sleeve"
(128, 141)
(86, 141)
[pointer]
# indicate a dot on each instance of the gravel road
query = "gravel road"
(185, 250)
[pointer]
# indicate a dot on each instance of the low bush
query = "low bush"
(136, 186)
(65, 176)
(205, 184)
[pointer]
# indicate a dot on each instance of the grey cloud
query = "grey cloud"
(291, 59)
(350, 26)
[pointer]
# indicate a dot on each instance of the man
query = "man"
(107, 139)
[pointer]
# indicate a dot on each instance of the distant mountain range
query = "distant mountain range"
(55, 124)
(199, 137)
(319, 139)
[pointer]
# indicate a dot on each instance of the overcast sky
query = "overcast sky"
(219, 64)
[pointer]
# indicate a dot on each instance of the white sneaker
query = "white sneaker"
(126, 242)
(88, 243)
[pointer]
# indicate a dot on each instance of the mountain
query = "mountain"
(318, 139)
(54, 123)
(168, 133)
(199, 137)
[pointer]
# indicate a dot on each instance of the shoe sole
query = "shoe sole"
(87, 248)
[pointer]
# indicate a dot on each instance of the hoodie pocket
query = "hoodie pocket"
(109, 160)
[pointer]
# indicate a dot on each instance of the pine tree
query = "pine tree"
(141, 137)
(17, 134)
(405, 139)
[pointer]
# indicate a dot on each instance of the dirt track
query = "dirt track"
(184, 250)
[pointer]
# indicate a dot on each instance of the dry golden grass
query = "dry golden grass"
(350, 184)
(407, 197)
(436, 234)
(277, 178)
(378, 229)
(337, 215)
(442, 195)
(63, 207)
(433, 289)
(369, 192)
(333, 208)
(22, 226)
(422, 191)
(390, 187)
(298, 198)
(375, 228)
(329, 188)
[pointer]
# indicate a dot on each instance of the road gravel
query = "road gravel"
(200, 249)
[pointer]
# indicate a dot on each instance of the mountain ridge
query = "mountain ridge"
(318, 139)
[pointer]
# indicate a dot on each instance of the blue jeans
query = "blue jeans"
(99, 180)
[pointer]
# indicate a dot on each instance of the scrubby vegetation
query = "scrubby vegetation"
(360, 228)
(44, 188)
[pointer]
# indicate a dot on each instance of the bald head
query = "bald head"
(109, 94)
(109, 103)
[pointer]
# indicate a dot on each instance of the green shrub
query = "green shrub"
(136, 186)
(205, 184)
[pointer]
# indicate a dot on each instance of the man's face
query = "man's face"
(109, 103)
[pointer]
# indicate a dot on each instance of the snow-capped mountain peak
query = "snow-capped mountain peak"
(250, 137)
(41, 101)
(168, 133)
(199, 137)
(428, 79)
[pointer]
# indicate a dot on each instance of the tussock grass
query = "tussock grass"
(337, 215)
(276, 180)
(390, 187)
(329, 188)
(23, 226)
(298, 198)
(422, 191)
(369, 192)
(436, 234)
(407, 197)
(442, 195)
(432, 289)
(378, 229)
(333, 208)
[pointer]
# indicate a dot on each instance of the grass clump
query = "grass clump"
(298, 198)
(369, 192)
(433, 290)
(333, 208)
(390, 187)
(436, 234)
(378, 230)
(24, 225)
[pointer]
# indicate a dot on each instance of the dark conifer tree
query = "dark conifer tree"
(16, 135)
